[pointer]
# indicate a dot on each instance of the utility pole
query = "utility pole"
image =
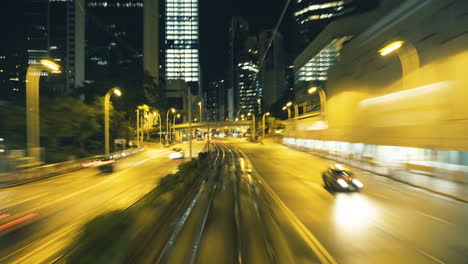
(190, 120)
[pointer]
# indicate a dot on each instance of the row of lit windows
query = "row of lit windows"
(173, 66)
(182, 27)
(179, 58)
(180, 73)
(182, 51)
(188, 31)
(182, 37)
(184, 23)
(109, 4)
(319, 6)
(179, 8)
(322, 16)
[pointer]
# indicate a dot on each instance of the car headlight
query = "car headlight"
(342, 183)
(358, 183)
(175, 155)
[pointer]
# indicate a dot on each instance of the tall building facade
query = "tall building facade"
(75, 44)
(214, 101)
(114, 37)
(238, 34)
(151, 38)
(312, 16)
(273, 71)
(181, 45)
(250, 90)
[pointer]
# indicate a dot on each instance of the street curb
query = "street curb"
(460, 199)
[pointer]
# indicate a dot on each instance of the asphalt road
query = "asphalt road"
(232, 221)
(387, 222)
(51, 212)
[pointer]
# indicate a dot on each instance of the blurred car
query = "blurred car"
(340, 178)
(2, 148)
(177, 153)
(106, 164)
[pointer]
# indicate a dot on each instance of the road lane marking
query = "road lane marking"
(44, 205)
(323, 255)
(430, 256)
(382, 196)
(25, 200)
(435, 218)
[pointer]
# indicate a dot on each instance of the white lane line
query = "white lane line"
(382, 196)
(435, 218)
(94, 186)
(25, 200)
(430, 256)
(319, 250)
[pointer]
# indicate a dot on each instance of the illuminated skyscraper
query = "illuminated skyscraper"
(181, 42)
(312, 16)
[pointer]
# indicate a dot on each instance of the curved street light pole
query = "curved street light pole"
(200, 111)
(173, 123)
(323, 99)
(33, 75)
(167, 122)
(254, 132)
(117, 92)
(160, 125)
(263, 124)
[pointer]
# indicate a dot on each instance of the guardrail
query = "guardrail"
(23, 176)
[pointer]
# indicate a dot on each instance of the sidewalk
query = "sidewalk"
(451, 189)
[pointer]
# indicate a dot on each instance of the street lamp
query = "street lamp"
(254, 132)
(200, 110)
(160, 125)
(263, 123)
(323, 99)
(407, 54)
(173, 122)
(33, 76)
(172, 110)
(289, 111)
(107, 97)
(296, 109)
(391, 47)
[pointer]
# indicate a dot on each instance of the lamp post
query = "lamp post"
(200, 105)
(296, 109)
(33, 76)
(254, 132)
(160, 125)
(172, 110)
(137, 126)
(259, 101)
(323, 99)
(263, 124)
(407, 54)
(117, 92)
(173, 123)
(289, 111)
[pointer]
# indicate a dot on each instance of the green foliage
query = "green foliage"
(103, 239)
(109, 238)
(69, 127)
(12, 126)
